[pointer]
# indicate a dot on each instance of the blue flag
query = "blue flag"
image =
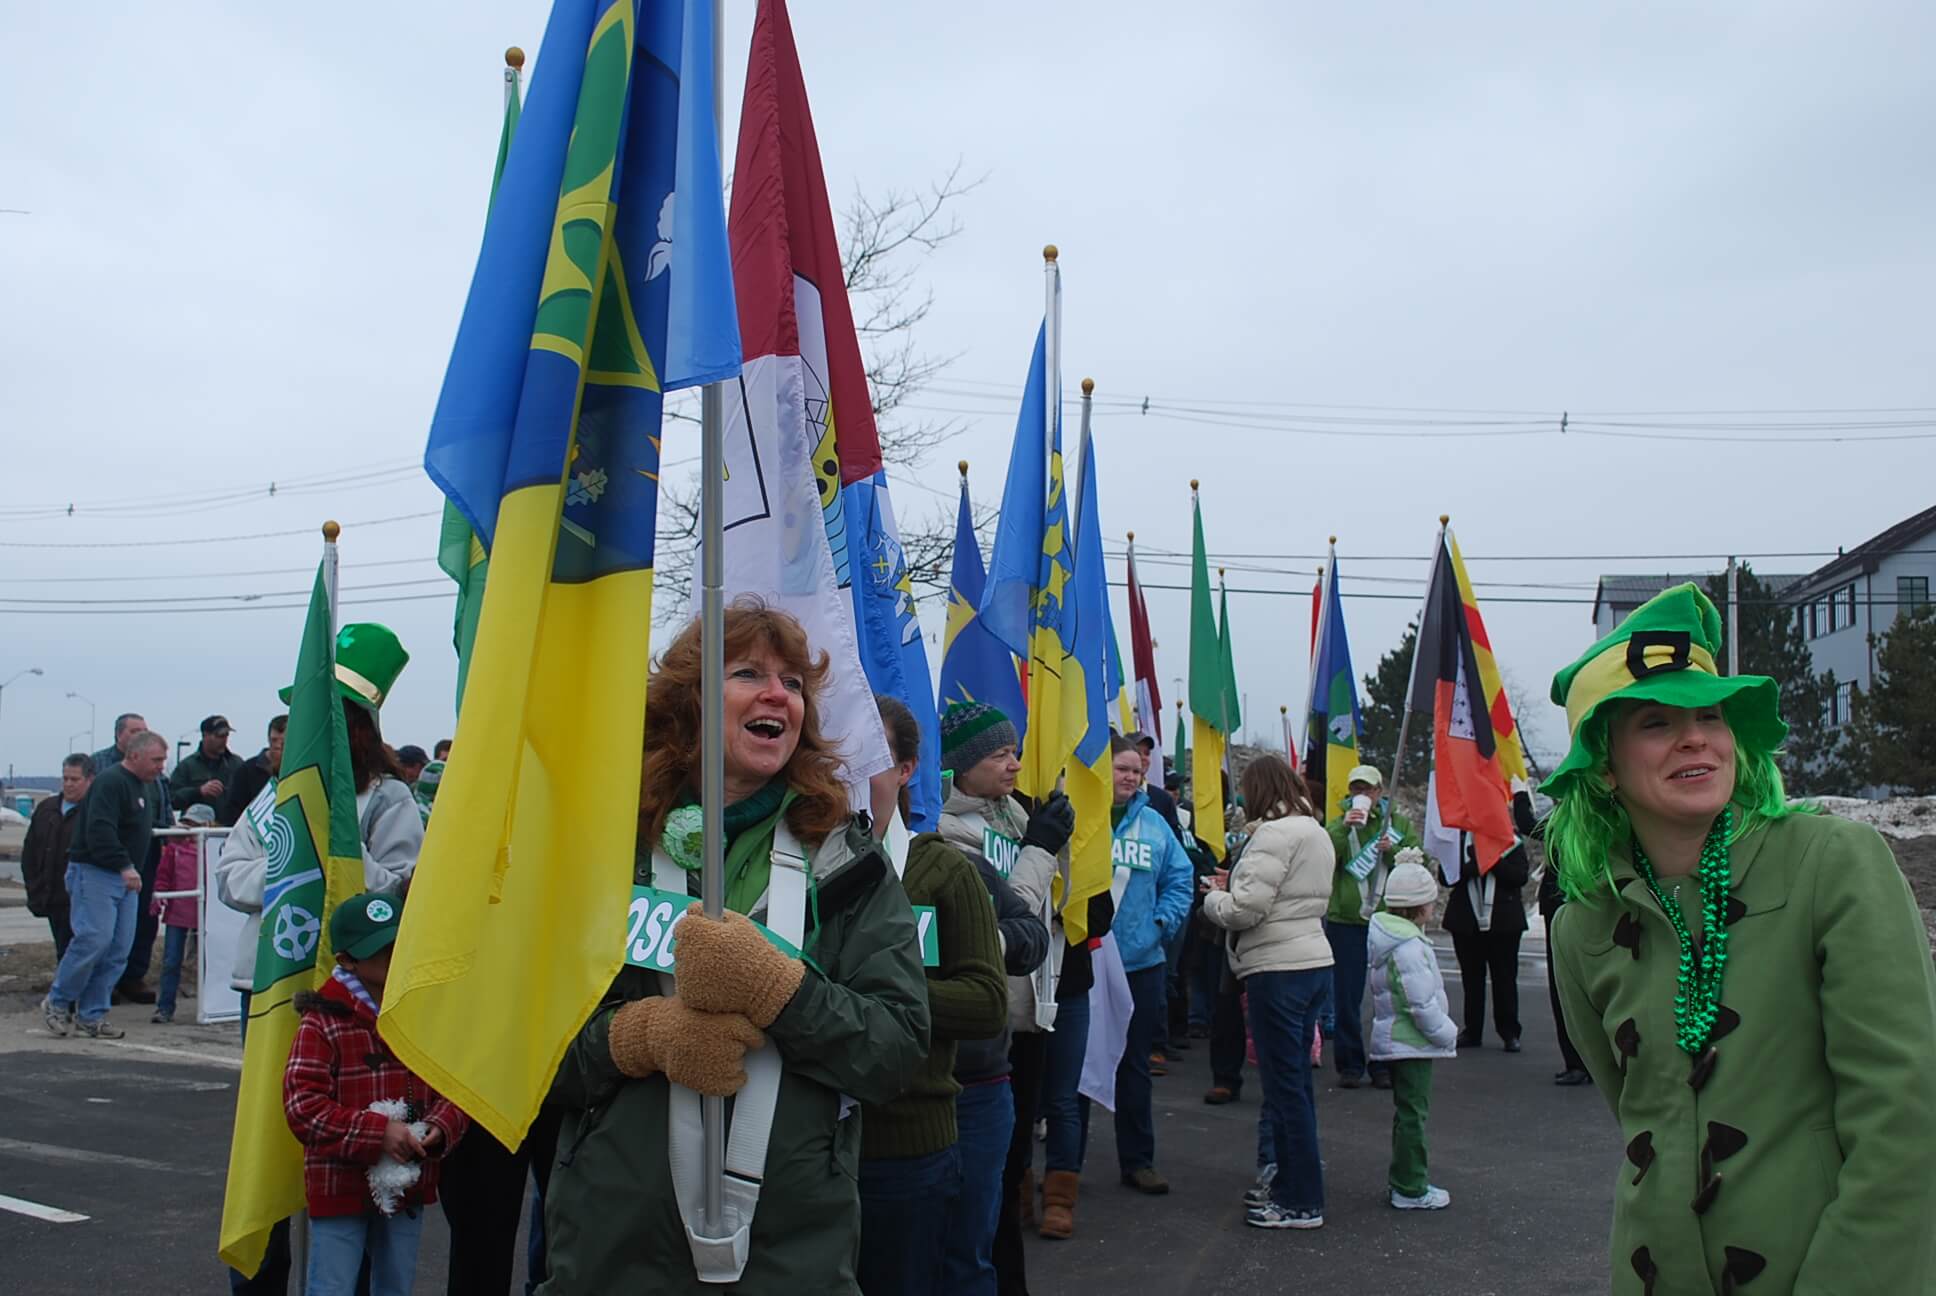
(1095, 630)
(975, 665)
(891, 651)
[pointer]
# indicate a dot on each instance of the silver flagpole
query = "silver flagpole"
(1052, 346)
(712, 656)
(1411, 682)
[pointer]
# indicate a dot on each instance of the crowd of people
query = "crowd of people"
(888, 1108)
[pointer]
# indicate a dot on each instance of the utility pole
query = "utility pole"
(1734, 616)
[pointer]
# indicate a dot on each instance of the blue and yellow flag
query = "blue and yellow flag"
(975, 666)
(1099, 668)
(1026, 603)
(459, 552)
(603, 282)
(1332, 729)
(315, 861)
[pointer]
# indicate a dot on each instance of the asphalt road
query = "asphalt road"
(138, 1144)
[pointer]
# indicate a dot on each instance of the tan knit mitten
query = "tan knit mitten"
(705, 1052)
(726, 966)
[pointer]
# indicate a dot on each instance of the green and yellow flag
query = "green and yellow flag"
(1213, 693)
(315, 861)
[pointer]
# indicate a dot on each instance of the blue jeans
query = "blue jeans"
(337, 1245)
(1062, 1107)
(102, 911)
(1135, 1126)
(174, 948)
(1206, 974)
(1283, 1006)
(905, 1203)
(1348, 962)
(985, 1120)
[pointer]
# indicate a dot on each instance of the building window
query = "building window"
(1912, 592)
(1822, 623)
(1841, 705)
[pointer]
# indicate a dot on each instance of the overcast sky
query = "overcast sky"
(249, 230)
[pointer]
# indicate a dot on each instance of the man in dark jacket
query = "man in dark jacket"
(1486, 917)
(253, 776)
(104, 884)
(206, 773)
(133, 988)
(43, 857)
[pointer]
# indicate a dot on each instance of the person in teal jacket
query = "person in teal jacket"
(1151, 889)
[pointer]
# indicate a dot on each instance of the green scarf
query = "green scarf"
(750, 825)
(1116, 813)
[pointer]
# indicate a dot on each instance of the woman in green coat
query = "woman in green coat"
(1749, 984)
(848, 1016)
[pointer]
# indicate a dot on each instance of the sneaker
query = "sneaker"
(1272, 1216)
(1258, 1194)
(1431, 1199)
(101, 1028)
(59, 1020)
(1146, 1180)
(163, 1018)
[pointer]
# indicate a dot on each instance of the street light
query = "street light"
(90, 714)
(31, 670)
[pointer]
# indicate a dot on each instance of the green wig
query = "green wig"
(1588, 822)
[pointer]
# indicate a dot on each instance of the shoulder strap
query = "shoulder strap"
(722, 1258)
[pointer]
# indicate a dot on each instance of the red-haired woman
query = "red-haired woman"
(845, 1014)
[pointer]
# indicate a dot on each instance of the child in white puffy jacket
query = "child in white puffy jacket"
(1410, 1024)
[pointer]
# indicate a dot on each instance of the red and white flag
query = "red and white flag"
(1142, 652)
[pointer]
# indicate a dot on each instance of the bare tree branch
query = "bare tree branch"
(885, 239)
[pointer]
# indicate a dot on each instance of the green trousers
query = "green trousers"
(1411, 1102)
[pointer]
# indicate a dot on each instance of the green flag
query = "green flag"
(1232, 709)
(1209, 700)
(459, 551)
(306, 821)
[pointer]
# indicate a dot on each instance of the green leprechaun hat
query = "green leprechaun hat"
(369, 658)
(1664, 652)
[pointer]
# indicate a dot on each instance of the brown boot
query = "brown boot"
(1059, 1204)
(1026, 1191)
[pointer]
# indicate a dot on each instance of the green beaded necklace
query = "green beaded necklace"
(1697, 994)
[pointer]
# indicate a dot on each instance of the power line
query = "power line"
(130, 603)
(149, 577)
(209, 540)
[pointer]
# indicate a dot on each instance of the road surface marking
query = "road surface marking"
(34, 1210)
(55, 1153)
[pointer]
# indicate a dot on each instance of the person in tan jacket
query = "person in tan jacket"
(1272, 904)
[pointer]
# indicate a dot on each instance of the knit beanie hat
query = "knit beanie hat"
(1410, 884)
(971, 732)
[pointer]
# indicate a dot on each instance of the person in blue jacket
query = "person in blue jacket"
(1151, 888)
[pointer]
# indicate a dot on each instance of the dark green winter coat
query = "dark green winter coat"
(1349, 895)
(858, 1026)
(1804, 1160)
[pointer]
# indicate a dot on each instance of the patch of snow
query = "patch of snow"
(1892, 816)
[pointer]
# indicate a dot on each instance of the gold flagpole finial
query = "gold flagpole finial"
(1193, 484)
(331, 530)
(963, 465)
(1334, 539)
(1132, 537)
(514, 59)
(1219, 573)
(1088, 386)
(1445, 519)
(1049, 253)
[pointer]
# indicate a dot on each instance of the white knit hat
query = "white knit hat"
(1410, 885)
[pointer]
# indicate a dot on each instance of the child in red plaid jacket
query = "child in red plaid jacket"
(338, 1066)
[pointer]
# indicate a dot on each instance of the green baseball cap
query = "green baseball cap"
(369, 657)
(365, 924)
(1664, 652)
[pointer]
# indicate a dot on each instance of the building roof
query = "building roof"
(1627, 592)
(1865, 556)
